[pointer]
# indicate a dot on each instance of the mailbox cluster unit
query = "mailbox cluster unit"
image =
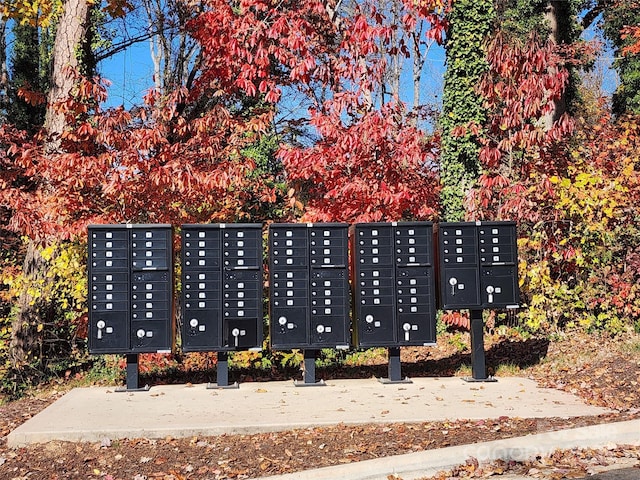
(395, 271)
(478, 265)
(309, 285)
(130, 288)
(222, 287)
(393, 284)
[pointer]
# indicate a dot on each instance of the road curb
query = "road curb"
(428, 463)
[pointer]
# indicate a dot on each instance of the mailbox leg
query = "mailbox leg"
(478, 366)
(395, 368)
(309, 371)
(133, 382)
(222, 373)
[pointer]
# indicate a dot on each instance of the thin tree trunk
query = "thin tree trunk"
(4, 73)
(26, 330)
(70, 35)
(555, 15)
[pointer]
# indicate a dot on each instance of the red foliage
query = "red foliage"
(377, 168)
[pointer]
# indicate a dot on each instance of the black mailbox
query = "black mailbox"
(478, 265)
(309, 285)
(222, 287)
(130, 289)
(393, 284)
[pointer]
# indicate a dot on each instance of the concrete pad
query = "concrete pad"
(92, 414)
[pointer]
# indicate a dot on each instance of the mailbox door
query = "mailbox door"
(201, 247)
(151, 248)
(413, 243)
(288, 246)
(498, 243)
(242, 246)
(328, 245)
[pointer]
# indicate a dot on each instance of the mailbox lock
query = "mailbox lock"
(140, 333)
(490, 290)
(369, 318)
(193, 322)
(453, 281)
(282, 321)
(101, 324)
(407, 328)
(320, 329)
(235, 332)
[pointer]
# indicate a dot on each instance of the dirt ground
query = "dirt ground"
(601, 370)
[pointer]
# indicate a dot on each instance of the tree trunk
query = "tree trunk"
(26, 329)
(70, 36)
(557, 18)
(68, 51)
(4, 73)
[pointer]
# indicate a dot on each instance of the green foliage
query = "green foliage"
(471, 23)
(626, 98)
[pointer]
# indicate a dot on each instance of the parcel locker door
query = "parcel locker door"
(374, 305)
(415, 301)
(201, 298)
(242, 333)
(329, 308)
(460, 288)
(289, 308)
(499, 286)
(109, 332)
(150, 336)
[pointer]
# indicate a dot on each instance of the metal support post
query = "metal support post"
(309, 371)
(222, 373)
(395, 368)
(133, 382)
(478, 366)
